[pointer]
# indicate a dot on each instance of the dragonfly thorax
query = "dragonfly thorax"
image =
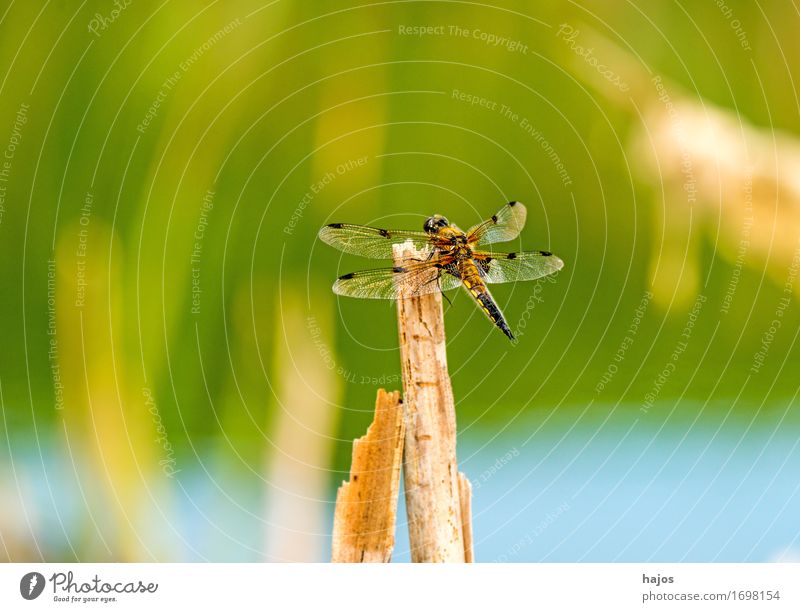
(451, 235)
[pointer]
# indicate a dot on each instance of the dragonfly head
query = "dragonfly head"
(435, 223)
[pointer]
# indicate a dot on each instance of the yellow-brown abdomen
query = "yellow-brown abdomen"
(471, 278)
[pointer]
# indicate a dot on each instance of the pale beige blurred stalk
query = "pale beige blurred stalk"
(748, 186)
(109, 433)
(301, 430)
(20, 520)
(724, 180)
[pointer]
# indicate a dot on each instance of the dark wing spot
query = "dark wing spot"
(347, 276)
(514, 203)
(336, 225)
(511, 256)
(384, 233)
(399, 269)
(546, 253)
(494, 218)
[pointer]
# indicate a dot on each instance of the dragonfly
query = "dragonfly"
(444, 257)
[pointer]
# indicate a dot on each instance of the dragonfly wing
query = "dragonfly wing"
(513, 267)
(410, 279)
(502, 227)
(370, 241)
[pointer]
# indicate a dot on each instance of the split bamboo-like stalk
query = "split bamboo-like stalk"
(437, 496)
(366, 506)
(465, 497)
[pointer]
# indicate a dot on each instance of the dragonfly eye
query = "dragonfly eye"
(435, 223)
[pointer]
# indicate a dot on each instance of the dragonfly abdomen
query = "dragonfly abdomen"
(477, 288)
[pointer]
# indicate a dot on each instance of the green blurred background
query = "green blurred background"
(177, 380)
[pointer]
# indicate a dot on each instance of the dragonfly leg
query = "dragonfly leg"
(437, 280)
(444, 295)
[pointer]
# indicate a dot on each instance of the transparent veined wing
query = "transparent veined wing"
(502, 227)
(513, 267)
(370, 241)
(410, 279)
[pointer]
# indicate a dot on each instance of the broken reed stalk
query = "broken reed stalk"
(366, 506)
(465, 497)
(437, 495)
(420, 432)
